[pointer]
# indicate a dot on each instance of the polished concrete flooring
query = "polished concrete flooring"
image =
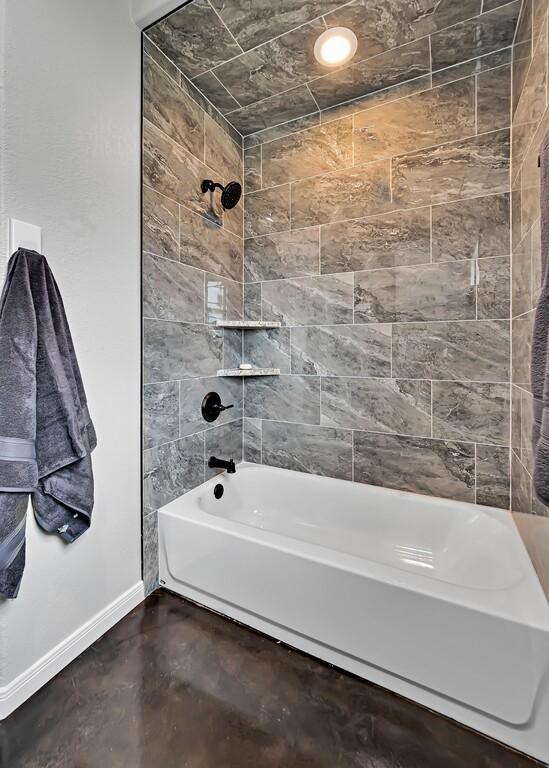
(174, 686)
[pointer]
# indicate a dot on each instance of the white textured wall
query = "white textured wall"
(71, 165)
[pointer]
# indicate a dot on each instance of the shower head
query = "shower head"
(230, 194)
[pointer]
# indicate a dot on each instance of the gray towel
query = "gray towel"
(46, 434)
(540, 342)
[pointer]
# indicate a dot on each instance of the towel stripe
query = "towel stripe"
(9, 548)
(15, 449)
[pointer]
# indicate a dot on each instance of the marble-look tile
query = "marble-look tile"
(232, 348)
(233, 219)
(268, 349)
(267, 211)
(252, 301)
(252, 169)
(325, 300)
(527, 430)
(282, 129)
(471, 411)
(467, 168)
(171, 470)
(287, 254)
(309, 153)
(348, 194)
(468, 350)
(223, 299)
(194, 38)
(522, 349)
(283, 398)
(191, 90)
(224, 442)
(422, 120)
(426, 292)
(516, 418)
(251, 440)
(522, 57)
(475, 37)
(160, 413)
(382, 71)
(342, 350)
(153, 51)
(388, 240)
(221, 153)
(312, 449)
(521, 487)
(205, 245)
(415, 464)
(215, 91)
(494, 99)
(533, 98)
(193, 392)
(169, 108)
(276, 109)
(493, 295)
(522, 276)
(172, 291)
(174, 351)
(473, 66)
(472, 229)
(493, 481)
(377, 405)
(160, 225)
(150, 552)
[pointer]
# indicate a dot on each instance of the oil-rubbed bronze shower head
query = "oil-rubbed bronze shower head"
(230, 194)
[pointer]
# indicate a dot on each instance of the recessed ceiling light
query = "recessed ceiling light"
(336, 46)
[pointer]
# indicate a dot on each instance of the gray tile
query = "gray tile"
(233, 219)
(377, 405)
(191, 90)
(287, 254)
(493, 288)
(473, 67)
(223, 299)
(251, 440)
(467, 350)
(267, 211)
(422, 120)
(221, 153)
(174, 351)
(232, 348)
(283, 398)
(224, 442)
(419, 465)
(342, 350)
(516, 416)
(532, 99)
(169, 108)
(475, 37)
(472, 229)
(348, 194)
(160, 225)
(160, 413)
(521, 487)
(194, 38)
(172, 470)
(193, 392)
(309, 153)
(283, 129)
(324, 300)
(209, 247)
(215, 91)
(493, 476)
(252, 169)
(268, 349)
(252, 301)
(527, 430)
(150, 553)
(276, 109)
(466, 168)
(522, 276)
(471, 411)
(172, 291)
(152, 51)
(388, 240)
(312, 449)
(427, 292)
(522, 349)
(494, 99)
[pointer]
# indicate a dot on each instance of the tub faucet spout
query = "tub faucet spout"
(214, 463)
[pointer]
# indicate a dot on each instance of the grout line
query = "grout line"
(226, 27)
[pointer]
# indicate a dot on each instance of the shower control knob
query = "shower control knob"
(212, 407)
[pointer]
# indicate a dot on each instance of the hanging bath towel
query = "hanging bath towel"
(46, 434)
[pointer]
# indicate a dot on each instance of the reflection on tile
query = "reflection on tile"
(225, 442)
(209, 247)
(493, 288)
(232, 348)
(172, 291)
(252, 169)
(388, 240)
(471, 411)
(221, 153)
(268, 349)
(283, 398)
(283, 129)
(160, 225)
(469, 350)
(471, 229)
(150, 552)
(252, 301)
(174, 351)
(521, 487)
(172, 470)
(216, 92)
(522, 276)
(312, 449)
(379, 405)
(427, 292)
(251, 440)
(193, 392)
(493, 476)
(274, 110)
(348, 194)
(223, 299)
(494, 99)
(342, 350)
(473, 66)
(267, 211)
(288, 254)
(309, 300)
(522, 349)
(160, 413)
(415, 464)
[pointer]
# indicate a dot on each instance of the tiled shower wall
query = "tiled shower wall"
(379, 237)
(192, 277)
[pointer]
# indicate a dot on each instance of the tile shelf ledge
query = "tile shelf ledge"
(249, 372)
(247, 324)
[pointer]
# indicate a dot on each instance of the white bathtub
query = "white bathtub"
(434, 599)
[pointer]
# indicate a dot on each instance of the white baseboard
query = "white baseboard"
(27, 683)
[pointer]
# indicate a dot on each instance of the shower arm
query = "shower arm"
(208, 186)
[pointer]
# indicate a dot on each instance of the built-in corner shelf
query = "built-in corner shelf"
(246, 325)
(241, 372)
